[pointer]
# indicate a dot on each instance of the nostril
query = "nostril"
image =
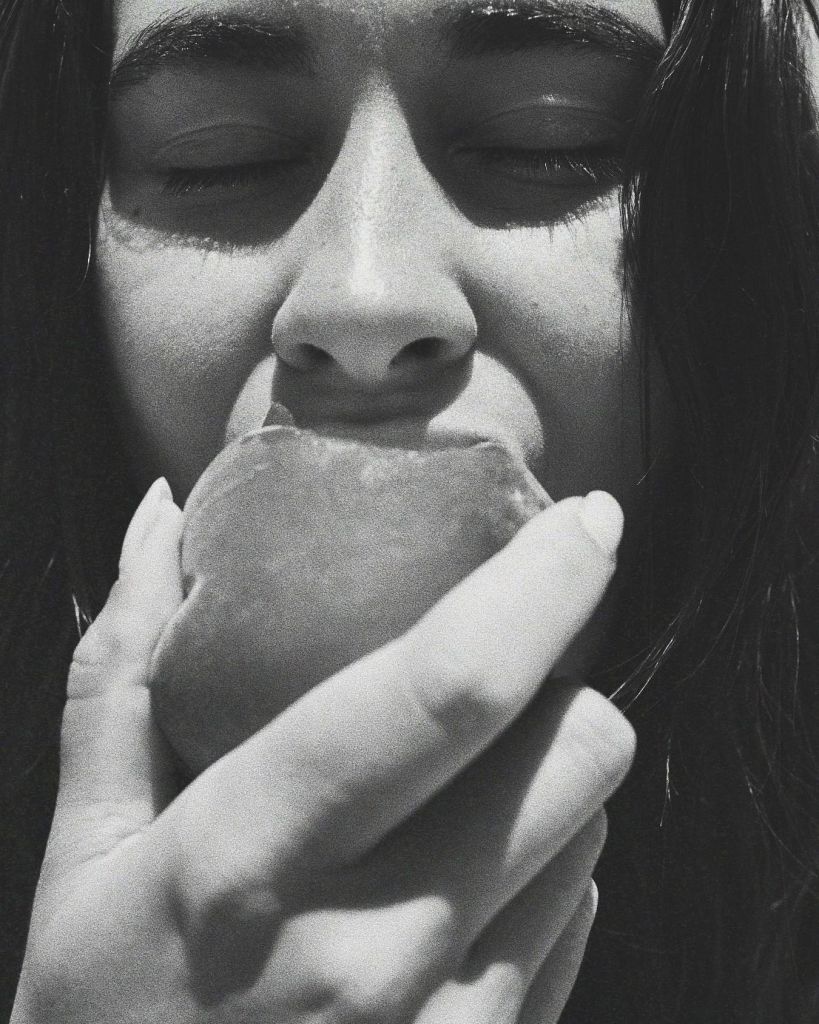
(305, 356)
(422, 350)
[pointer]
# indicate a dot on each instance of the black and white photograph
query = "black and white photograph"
(409, 511)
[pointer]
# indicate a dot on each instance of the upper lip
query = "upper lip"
(344, 402)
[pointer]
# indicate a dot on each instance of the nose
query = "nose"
(373, 343)
(376, 303)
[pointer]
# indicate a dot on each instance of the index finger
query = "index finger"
(327, 779)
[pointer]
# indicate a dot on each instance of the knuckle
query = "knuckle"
(97, 648)
(92, 658)
(104, 631)
(218, 882)
(226, 916)
(213, 891)
(109, 643)
(457, 694)
(373, 995)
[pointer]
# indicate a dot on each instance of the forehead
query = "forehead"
(389, 25)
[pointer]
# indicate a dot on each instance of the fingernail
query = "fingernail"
(602, 519)
(162, 497)
(143, 520)
(150, 505)
(163, 489)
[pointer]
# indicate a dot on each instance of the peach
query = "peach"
(301, 553)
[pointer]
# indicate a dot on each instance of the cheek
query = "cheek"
(556, 311)
(187, 327)
(184, 327)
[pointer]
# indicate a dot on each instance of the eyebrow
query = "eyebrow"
(496, 28)
(200, 41)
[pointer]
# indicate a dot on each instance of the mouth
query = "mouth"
(406, 432)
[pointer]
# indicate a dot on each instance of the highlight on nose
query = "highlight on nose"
(407, 322)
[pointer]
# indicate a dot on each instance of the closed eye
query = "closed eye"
(192, 181)
(600, 167)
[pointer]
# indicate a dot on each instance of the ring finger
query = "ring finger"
(537, 934)
(483, 840)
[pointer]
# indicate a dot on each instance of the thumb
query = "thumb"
(116, 772)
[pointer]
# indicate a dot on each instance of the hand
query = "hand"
(411, 841)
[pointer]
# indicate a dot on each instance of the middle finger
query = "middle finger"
(484, 838)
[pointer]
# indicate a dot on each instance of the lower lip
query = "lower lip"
(406, 433)
(411, 432)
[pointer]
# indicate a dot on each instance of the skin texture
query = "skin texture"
(410, 842)
(389, 226)
(412, 255)
(413, 840)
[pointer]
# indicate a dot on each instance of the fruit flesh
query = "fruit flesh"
(301, 553)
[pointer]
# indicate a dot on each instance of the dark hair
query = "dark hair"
(721, 219)
(62, 496)
(709, 883)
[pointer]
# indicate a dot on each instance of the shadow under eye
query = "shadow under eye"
(501, 189)
(237, 206)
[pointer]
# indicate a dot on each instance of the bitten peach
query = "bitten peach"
(301, 553)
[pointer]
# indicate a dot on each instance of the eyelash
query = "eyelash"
(593, 167)
(184, 181)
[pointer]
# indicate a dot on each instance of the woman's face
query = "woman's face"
(395, 214)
